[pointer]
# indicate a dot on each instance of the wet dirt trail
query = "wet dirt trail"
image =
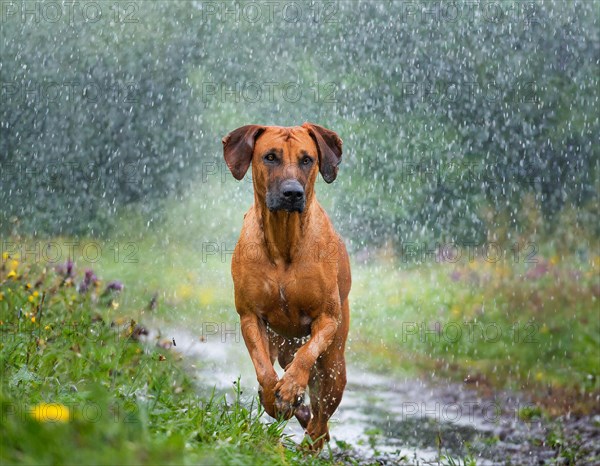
(382, 420)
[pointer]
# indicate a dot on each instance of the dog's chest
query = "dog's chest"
(289, 292)
(289, 302)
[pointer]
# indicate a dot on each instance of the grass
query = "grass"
(530, 327)
(527, 326)
(529, 321)
(568, 450)
(79, 387)
(503, 325)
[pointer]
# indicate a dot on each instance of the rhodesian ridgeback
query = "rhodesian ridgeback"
(291, 272)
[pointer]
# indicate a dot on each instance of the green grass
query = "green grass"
(104, 397)
(540, 336)
(491, 325)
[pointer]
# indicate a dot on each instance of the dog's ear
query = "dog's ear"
(329, 146)
(238, 147)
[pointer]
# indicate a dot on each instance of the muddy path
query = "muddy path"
(383, 420)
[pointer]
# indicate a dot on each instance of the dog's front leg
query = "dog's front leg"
(254, 332)
(289, 391)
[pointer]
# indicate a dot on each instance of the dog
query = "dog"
(291, 272)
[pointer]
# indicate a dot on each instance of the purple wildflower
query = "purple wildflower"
(66, 269)
(89, 279)
(115, 285)
(455, 276)
(538, 271)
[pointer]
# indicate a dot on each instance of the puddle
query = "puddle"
(391, 421)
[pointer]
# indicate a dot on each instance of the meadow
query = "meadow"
(86, 369)
(78, 386)
(473, 122)
(80, 373)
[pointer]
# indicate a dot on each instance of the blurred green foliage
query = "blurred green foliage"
(449, 118)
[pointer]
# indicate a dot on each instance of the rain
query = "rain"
(466, 196)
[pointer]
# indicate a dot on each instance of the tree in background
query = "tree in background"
(450, 120)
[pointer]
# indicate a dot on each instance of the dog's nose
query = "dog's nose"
(292, 190)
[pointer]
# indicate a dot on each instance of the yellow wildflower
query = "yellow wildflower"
(33, 320)
(28, 286)
(50, 412)
(36, 294)
(14, 264)
(206, 296)
(5, 256)
(12, 274)
(1, 296)
(185, 291)
(31, 299)
(455, 310)
(473, 265)
(47, 327)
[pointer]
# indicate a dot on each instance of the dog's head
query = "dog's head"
(284, 160)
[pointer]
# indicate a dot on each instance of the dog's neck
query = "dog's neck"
(284, 231)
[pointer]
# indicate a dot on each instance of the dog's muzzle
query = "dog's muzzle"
(290, 197)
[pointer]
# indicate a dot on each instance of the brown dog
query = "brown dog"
(291, 272)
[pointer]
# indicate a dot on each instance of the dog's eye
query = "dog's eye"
(306, 161)
(270, 157)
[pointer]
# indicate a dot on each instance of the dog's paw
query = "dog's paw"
(289, 395)
(266, 394)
